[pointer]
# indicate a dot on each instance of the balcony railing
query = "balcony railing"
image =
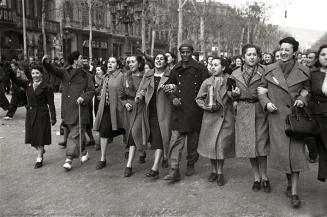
(36, 24)
(6, 15)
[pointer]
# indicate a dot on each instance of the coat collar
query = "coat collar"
(190, 64)
(39, 89)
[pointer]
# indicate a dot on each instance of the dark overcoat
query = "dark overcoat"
(319, 110)
(75, 83)
(40, 110)
(286, 154)
(251, 121)
(188, 80)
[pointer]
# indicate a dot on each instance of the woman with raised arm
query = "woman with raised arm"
(40, 111)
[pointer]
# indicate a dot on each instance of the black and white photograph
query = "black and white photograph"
(163, 108)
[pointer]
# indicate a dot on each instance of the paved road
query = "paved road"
(50, 191)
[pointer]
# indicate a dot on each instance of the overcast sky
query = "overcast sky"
(310, 14)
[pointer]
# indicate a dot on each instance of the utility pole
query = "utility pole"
(143, 26)
(24, 30)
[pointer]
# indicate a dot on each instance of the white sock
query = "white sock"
(39, 159)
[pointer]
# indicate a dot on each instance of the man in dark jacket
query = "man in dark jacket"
(186, 79)
(77, 91)
(4, 79)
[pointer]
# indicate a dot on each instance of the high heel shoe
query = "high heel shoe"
(38, 164)
(128, 172)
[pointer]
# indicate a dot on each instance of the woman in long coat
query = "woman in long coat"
(133, 111)
(284, 86)
(109, 120)
(319, 97)
(41, 112)
(157, 111)
(251, 123)
(216, 140)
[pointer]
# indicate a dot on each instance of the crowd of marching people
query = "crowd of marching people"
(220, 107)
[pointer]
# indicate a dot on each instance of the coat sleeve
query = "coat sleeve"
(52, 108)
(263, 98)
(56, 71)
(142, 87)
(304, 93)
(88, 91)
(202, 94)
(122, 92)
(172, 80)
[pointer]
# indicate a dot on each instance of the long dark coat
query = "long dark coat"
(320, 112)
(188, 80)
(164, 109)
(75, 83)
(217, 135)
(286, 154)
(40, 108)
(251, 121)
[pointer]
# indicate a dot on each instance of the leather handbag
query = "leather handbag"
(300, 124)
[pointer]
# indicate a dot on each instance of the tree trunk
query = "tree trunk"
(218, 43)
(90, 27)
(202, 41)
(143, 27)
(24, 30)
(241, 41)
(152, 41)
(43, 29)
(180, 25)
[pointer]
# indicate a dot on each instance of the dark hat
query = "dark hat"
(186, 43)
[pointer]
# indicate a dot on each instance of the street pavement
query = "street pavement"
(84, 191)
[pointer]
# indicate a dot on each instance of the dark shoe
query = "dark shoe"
(164, 163)
(266, 186)
(220, 180)
(173, 176)
(142, 158)
(101, 164)
(62, 144)
(126, 155)
(153, 174)
(295, 201)
(128, 172)
(110, 140)
(288, 191)
(189, 170)
(256, 186)
(213, 177)
(38, 165)
(90, 143)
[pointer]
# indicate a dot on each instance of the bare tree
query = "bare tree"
(43, 29)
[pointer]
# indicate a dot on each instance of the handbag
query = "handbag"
(300, 124)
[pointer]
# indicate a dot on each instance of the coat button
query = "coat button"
(179, 82)
(179, 91)
(31, 107)
(195, 83)
(179, 75)
(68, 96)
